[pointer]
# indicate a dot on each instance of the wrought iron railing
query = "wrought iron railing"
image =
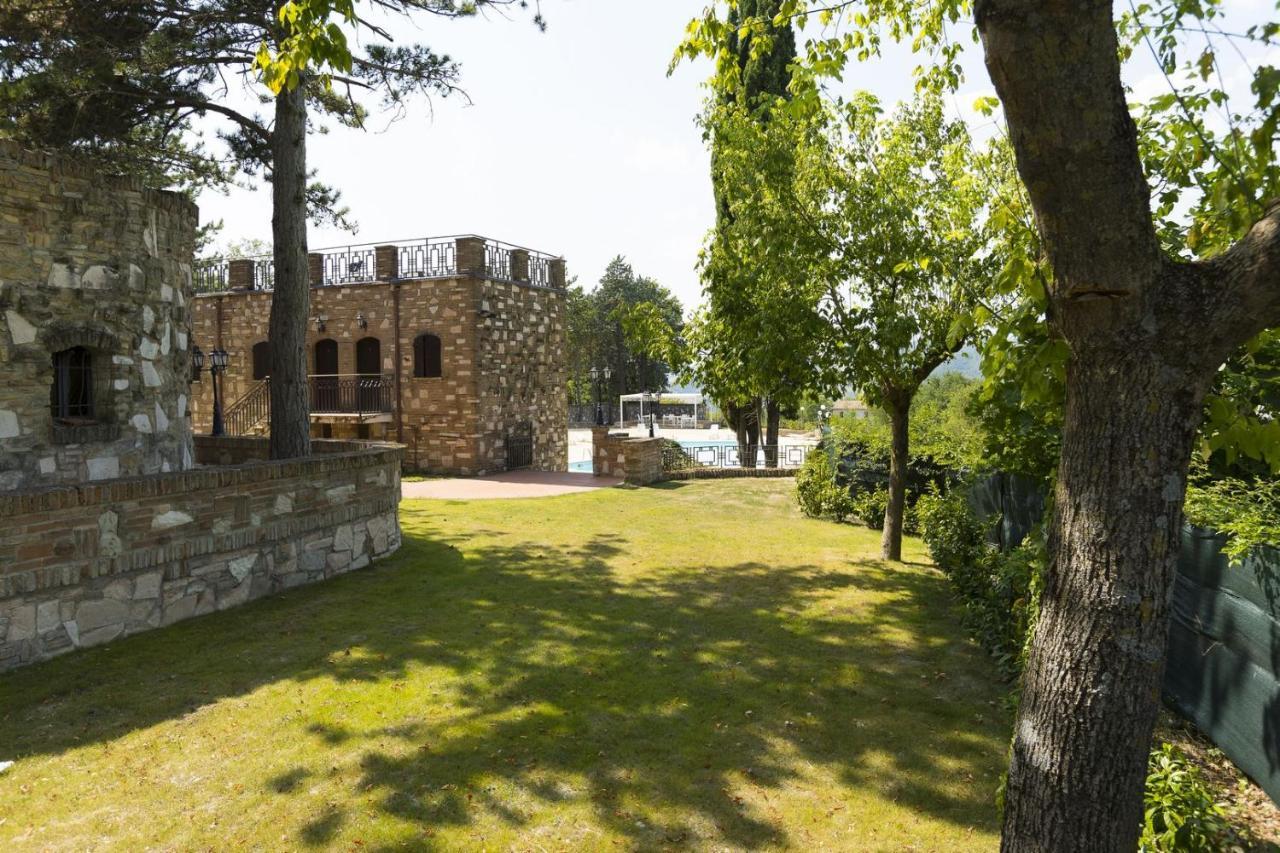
(209, 276)
(428, 257)
(540, 270)
(351, 394)
(684, 457)
(497, 260)
(250, 410)
(349, 265)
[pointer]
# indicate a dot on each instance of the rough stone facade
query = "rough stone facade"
(502, 357)
(81, 566)
(638, 461)
(104, 265)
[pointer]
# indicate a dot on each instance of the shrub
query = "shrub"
(675, 457)
(870, 505)
(1180, 811)
(911, 518)
(817, 491)
(1248, 512)
(957, 539)
(1000, 592)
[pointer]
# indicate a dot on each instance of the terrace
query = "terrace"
(368, 263)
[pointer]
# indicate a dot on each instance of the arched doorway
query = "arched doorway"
(324, 385)
(369, 368)
(261, 360)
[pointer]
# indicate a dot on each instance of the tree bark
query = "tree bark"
(1147, 334)
(291, 301)
(745, 420)
(898, 406)
(1092, 685)
(773, 417)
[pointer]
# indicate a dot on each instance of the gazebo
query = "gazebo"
(692, 409)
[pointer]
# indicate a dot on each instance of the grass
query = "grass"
(691, 666)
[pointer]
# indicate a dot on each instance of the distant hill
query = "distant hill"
(966, 362)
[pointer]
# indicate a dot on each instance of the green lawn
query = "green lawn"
(690, 666)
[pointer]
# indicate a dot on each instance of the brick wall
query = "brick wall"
(103, 264)
(636, 460)
(502, 347)
(80, 566)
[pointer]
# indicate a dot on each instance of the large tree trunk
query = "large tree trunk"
(749, 436)
(773, 417)
(899, 408)
(291, 301)
(1147, 334)
(1092, 685)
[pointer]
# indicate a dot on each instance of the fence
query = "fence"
(351, 394)
(1223, 664)
(426, 257)
(685, 457)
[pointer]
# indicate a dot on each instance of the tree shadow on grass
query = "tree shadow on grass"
(661, 696)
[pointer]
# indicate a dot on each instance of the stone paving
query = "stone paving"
(510, 484)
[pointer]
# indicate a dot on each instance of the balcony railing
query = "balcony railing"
(351, 394)
(423, 258)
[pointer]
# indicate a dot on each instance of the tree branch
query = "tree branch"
(1075, 141)
(1250, 269)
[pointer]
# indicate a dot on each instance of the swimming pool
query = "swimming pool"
(720, 453)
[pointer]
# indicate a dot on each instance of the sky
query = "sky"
(575, 142)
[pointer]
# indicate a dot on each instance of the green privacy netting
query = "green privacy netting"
(1224, 652)
(1223, 669)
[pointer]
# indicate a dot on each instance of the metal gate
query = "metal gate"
(520, 446)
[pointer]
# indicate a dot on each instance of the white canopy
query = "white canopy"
(668, 398)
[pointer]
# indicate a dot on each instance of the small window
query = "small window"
(426, 356)
(71, 398)
(262, 359)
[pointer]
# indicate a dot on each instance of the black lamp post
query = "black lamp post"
(217, 366)
(596, 374)
(653, 402)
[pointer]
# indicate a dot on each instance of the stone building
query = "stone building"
(453, 347)
(113, 518)
(94, 342)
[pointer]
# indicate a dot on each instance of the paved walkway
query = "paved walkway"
(510, 484)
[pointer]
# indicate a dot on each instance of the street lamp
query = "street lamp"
(652, 399)
(218, 359)
(596, 374)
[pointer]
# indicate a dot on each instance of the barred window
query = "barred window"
(426, 356)
(71, 397)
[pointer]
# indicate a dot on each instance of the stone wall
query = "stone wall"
(80, 566)
(102, 264)
(502, 347)
(636, 460)
(522, 374)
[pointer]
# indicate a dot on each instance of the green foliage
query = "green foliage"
(1180, 811)
(816, 489)
(1209, 151)
(870, 505)
(1247, 511)
(1000, 592)
(128, 82)
(311, 43)
(625, 324)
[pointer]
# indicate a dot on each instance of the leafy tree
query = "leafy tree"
(875, 240)
(598, 336)
(1157, 256)
(746, 352)
(127, 92)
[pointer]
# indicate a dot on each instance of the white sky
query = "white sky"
(577, 142)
